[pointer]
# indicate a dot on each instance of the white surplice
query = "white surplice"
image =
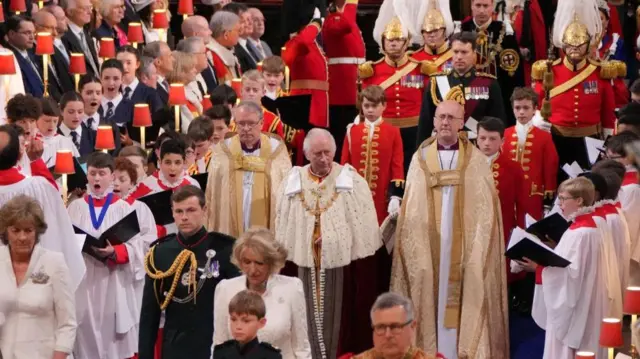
(59, 235)
(107, 305)
(53, 144)
(629, 197)
(447, 337)
(575, 297)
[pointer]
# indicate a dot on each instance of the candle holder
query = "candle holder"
(134, 34)
(64, 166)
(77, 67)
(611, 335)
(104, 139)
(1, 12)
(142, 119)
(631, 305)
(7, 68)
(585, 355)
(44, 48)
(287, 73)
(177, 98)
(107, 48)
(160, 22)
(236, 85)
(17, 6)
(185, 8)
(206, 102)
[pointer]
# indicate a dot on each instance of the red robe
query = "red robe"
(511, 189)
(539, 161)
(344, 46)
(308, 71)
(538, 36)
(377, 157)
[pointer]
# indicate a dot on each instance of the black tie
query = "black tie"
(127, 93)
(75, 139)
(109, 109)
(90, 122)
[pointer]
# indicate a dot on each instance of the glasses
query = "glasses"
(449, 118)
(247, 125)
(563, 199)
(395, 328)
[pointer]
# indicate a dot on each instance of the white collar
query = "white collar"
(242, 42)
(132, 85)
(116, 101)
(103, 195)
(374, 123)
(96, 120)
(579, 212)
(492, 157)
(225, 54)
(58, 42)
(67, 131)
(162, 179)
(77, 30)
(524, 127)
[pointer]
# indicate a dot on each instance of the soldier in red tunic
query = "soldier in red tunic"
(374, 148)
(225, 27)
(581, 96)
(402, 78)
(344, 46)
(305, 59)
(437, 26)
(533, 148)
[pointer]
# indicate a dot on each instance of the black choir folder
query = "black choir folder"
(120, 233)
(552, 227)
(523, 244)
(160, 205)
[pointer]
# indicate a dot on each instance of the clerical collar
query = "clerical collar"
(466, 74)
(452, 147)
(246, 148)
(493, 157)
(192, 240)
(440, 50)
(399, 63)
(246, 348)
(573, 67)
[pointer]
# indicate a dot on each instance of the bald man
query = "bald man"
(60, 80)
(197, 26)
(448, 232)
(258, 30)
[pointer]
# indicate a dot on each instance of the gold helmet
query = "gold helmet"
(577, 22)
(390, 24)
(394, 30)
(576, 34)
(435, 15)
(433, 21)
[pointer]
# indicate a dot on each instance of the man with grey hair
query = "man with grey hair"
(78, 39)
(195, 46)
(394, 326)
(160, 52)
(197, 26)
(225, 31)
(147, 73)
(263, 49)
(245, 173)
(327, 221)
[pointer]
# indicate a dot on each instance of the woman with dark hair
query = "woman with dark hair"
(72, 126)
(47, 132)
(40, 321)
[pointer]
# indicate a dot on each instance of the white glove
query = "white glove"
(316, 14)
(540, 123)
(394, 205)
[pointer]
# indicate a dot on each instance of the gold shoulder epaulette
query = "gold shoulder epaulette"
(556, 61)
(538, 69)
(608, 70)
(441, 73)
(484, 74)
(428, 67)
(621, 68)
(365, 70)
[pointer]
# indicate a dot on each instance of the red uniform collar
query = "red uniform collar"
(630, 177)
(10, 176)
(584, 221)
(102, 201)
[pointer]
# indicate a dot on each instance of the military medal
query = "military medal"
(216, 269)
(211, 253)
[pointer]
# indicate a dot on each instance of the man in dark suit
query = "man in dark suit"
(245, 52)
(60, 80)
(21, 40)
(77, 39)
(262, 48)
(197, 26)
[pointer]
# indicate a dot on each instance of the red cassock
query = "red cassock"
(344, 47)
(538, 36)
(511, 188)
(404, 96)
(378, 157)
(578, 104)
(308, 72)
(539, 161)
(438, 61)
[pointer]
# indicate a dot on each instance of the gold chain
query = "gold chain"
(318, 210)
(175, 270)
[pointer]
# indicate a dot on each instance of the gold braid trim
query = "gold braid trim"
(175, 270)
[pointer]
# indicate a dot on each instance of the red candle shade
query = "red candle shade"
(7, 64)
(77, 65)
(44, 43)
(585, 355)
(236, 85)
(611, 333)
(185, 7)
(177, 95)
(160, 19)
(64, 163)
(259, 66)
(206, 102)
(141, 115)
(104, 138)
(134, 34)
(632, 300)
(17, 6)
(1, 12)
(107, 48)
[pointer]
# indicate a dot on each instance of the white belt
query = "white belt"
(346, 60)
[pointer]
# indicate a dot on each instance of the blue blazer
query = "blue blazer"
(210, 78)
(32, 81)
(107, 31)
(122, 118)
(148, 95)
(87, 140)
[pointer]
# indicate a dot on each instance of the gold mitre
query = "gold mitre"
(576, 33)
(393, 30)
(433, 21)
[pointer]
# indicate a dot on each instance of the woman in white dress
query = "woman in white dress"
(260, 258)
(573, 300)
(39, 321)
